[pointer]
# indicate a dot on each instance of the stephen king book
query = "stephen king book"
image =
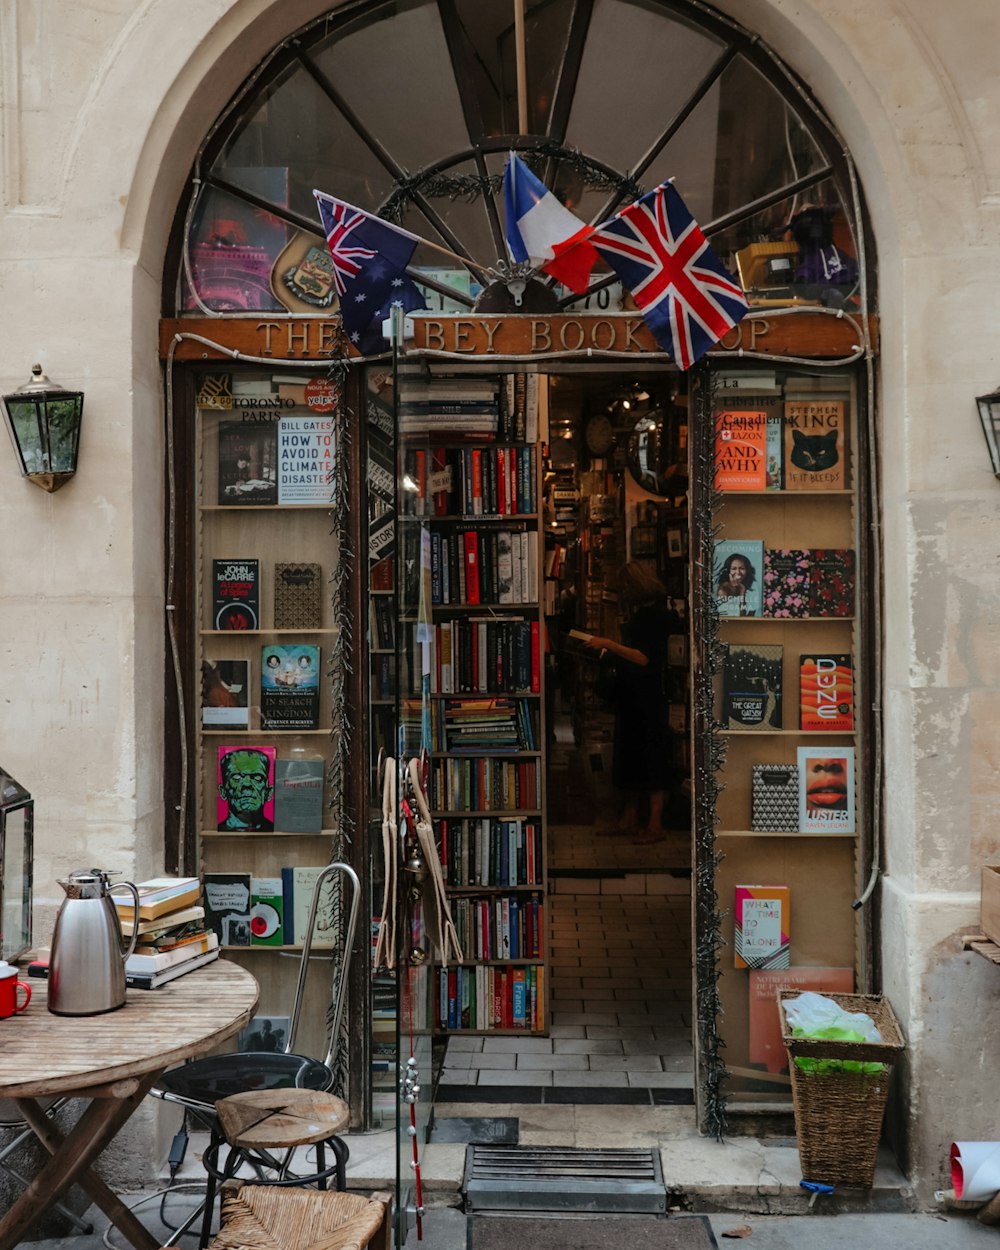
(826, 692)
(814, 444)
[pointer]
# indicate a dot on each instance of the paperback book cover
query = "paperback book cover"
(158, 896)
(289, 687)
(245, 778)
(826, 789)
(227, 906)
(815, 444)
(826, 692)
(298, 795)
(831, 581)
(786, 582)
(236, 594)
(305, 459)
(298, 596)
(299, 886)
(774, 798)
(751, 686)
(247, 455)
(740, 450)
(224, 686)
(775, 453)
(264, 1033)
(767, 1050)
(266, 911)
(736, 577)
(762, 917)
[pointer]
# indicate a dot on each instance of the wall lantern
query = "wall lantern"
(989, 414)
(43, 421)
(17, 820)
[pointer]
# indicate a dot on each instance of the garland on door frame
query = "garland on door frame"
(340, 665)
(711, 752)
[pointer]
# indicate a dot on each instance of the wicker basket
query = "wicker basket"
(838, 1115)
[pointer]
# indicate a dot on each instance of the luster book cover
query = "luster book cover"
(289, 687)
(826, 789)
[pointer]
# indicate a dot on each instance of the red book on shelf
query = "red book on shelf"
(536, 670)
(472, 566)
(477, 482)
(501, 481)
(506, 1012)
(529, 853)
(512, 479)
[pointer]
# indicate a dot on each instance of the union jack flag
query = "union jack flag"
(687, 298)
(370, 257)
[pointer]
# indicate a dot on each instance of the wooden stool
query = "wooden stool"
(270, 1218)
(256, 1124)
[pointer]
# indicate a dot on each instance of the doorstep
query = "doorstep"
(753, 1175)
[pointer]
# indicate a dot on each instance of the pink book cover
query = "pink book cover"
(767, 1050)
(245, 778)
(762, 920)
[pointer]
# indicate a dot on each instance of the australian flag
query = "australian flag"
(687, 298)
(369, 270)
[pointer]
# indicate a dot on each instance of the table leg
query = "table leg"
(70, 1161)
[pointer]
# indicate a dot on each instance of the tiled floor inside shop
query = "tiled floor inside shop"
(620, 985)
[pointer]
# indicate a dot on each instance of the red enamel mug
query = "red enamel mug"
(9, 985)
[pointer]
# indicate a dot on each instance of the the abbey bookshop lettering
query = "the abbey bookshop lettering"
(501, 336)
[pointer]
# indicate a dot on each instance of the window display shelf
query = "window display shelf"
(795, 733)
(772, 833)
(255, 834)
(229, 633)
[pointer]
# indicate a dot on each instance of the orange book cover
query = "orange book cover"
(826, 692)
(766, 1047)
(740, 450)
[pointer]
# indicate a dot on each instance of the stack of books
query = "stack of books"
(172, 935)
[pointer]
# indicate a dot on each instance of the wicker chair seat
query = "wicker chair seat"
(264, 1217)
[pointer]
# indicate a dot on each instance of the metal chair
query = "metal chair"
(199, 1085)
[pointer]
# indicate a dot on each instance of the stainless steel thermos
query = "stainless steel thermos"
(87, 960)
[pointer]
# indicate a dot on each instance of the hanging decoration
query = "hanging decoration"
(709, 760)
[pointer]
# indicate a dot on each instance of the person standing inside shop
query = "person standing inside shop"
(642, 746)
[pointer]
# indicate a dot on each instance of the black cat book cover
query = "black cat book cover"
(751, 686)
(815, 444)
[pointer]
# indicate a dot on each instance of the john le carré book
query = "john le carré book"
(236, 594)
(247, 469)
(289, 687)
(751, 686)
(826, 692)
(826, 789)
(737, 577)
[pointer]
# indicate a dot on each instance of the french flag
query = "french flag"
(541, 230)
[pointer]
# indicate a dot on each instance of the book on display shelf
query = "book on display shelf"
(774, 798)
(305, 460)
(826, 789)
(751, 686)
(299, 886)
(247, 463)
(737, 577)
(762, 926)
(298, 596)
(224, 693)
(298, 794)
(227, 906)
(267, 903)
(236, 594)
(815, 444)
(740, 450)
(289, 690)
(245, 781)
(826, 692)
(767, 1050)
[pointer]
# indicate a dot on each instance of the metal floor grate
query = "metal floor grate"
(557, 1178)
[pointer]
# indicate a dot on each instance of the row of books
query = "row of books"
(288, 686)
(472, 481)
(782, 582)
(470, 726)
(265, 461)
(485, 784)
(813, 795)
(473, 566)
(244, 910)
(507, 927)
(753, 681)
(802, 446)
(382, 622)
(487, 998)
(260, 792)
(488, 851)
(173, 937)
(482, 655)
(297, 595)
(446, 406)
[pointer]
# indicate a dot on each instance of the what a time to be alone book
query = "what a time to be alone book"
(737, 573)
(826, 692)
(236, 594)
(815, 444)
(248, 453)
(289, 687)
(751, 686)
(762, 917)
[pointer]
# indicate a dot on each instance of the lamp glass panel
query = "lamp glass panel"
(63, 418)
(14, 911)
(28, 433)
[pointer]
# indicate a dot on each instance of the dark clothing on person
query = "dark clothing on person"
(642, 744)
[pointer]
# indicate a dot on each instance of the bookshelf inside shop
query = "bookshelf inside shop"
(471, 553)
(265, 555)
(786, 583)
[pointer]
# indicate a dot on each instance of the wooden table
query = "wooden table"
(112, 1060)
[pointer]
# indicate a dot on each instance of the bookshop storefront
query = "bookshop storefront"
(527, 485)
(422, 542)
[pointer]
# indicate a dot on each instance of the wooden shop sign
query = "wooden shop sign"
(277, 338)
